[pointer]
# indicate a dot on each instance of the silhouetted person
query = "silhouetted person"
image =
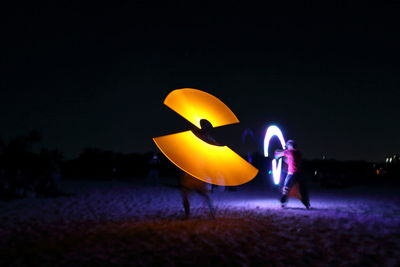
(204, 132)
(55, 178)
(20, 183)
(293, 177)
(190, 184)
(154, 165)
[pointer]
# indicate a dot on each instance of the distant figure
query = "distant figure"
(248, 140)
(294, 184)
(20, 183)
(4, 183)
(56, 179)
(190, 184)
(154, 165)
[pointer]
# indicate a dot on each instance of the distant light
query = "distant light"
(387, 159)
(269, 172)
(315, 173)
(323, 157)
(390, 159)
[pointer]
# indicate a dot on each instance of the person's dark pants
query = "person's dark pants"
(290, 181)
(186, 204)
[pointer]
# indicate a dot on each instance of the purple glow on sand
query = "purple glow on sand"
(272, 131)
(122, 223)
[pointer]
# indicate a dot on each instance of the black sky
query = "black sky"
(96, 74)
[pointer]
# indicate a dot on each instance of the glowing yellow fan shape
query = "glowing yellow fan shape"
(210, 163)
(194, 105)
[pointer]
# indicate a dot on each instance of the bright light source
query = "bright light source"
(272, 131)
(210, 163)
(276, 170)
(194, 105)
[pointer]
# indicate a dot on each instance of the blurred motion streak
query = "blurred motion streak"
(276, 165)
(194, 105)
(209, 163)
(212, 164)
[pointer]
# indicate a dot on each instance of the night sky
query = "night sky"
(96, 75)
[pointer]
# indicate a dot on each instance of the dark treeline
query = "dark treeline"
(94, 163)
(332, 173)
(26, 171)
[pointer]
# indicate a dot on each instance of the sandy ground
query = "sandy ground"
(131, 224)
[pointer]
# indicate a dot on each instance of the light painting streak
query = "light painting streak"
(194, 105)
(271, 132)
(276, 170)
(217, 165)
(209, 163)
(276, 167)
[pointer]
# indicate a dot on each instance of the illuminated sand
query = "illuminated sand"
(123, 223)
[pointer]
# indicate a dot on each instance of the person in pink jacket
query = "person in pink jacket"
(293, 159)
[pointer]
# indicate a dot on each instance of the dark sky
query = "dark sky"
(96, 74)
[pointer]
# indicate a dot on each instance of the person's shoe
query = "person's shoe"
(283, 205)
(308, 206)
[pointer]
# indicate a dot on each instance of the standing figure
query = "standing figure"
(294, 179)
(154, 165)
(189, 184)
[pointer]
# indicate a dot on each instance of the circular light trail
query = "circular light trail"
(272, 131)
